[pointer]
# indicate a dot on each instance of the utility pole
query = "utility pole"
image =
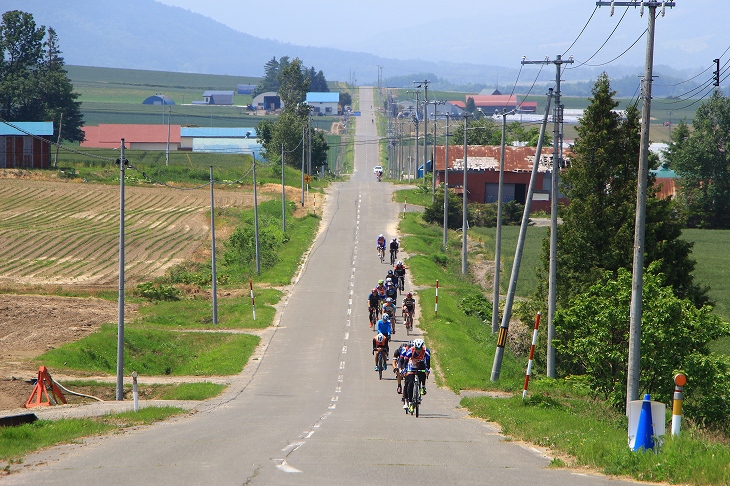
(717, 75)
(498, 235)
(415, 120)
(167, 151)
(424, 84)
(507, 314)
(465, 202)
(554, 192)
(446, 184)
(120, 311)
(634, 365)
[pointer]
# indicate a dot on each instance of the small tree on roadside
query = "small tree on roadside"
(593, 335)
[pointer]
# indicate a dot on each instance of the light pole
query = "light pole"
(120, 323)
(424, 84)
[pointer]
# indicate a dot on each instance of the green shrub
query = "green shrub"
(152, 291)
(476, 305)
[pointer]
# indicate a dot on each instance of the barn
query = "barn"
(324, 103)
(158, 99)
(25, 145)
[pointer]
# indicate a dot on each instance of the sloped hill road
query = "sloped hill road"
(312, 410)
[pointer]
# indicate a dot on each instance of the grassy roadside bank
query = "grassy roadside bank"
(558, 414)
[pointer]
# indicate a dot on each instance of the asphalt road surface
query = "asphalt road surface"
(311, 410)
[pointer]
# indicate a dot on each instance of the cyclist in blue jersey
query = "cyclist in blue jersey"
(417, 363)
(383, 326)
(380, 243)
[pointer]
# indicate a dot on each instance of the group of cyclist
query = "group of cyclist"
(393, 246)
(411, 359)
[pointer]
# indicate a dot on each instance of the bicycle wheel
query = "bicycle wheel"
(416, 395)
(382, 255)
(381, 364)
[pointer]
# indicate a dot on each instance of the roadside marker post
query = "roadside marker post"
(680, 379)
(405, 204)
(253, 302)
(135, 391)
(436, 309)
(532, 355)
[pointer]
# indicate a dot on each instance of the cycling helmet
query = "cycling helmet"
(410, 344)
(375, 290)
(380, 338)
(389, 300)
(418, 343)
(390, 272)
(400, 263)
(386, 317)
(394, 239)
(409, 295)
(381, 282)
(380, 236)
(388, 280)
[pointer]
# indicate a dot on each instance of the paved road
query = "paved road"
(312, 411)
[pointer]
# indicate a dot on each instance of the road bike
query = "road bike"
(401, 282)
(393, 256)
(408, 321)
(373, 316)
(381, 252)
(381, 362)
(415, 398)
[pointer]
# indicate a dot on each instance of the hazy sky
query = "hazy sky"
(496, 32)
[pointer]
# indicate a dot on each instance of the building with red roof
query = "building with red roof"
(483, 174)
(136, 137)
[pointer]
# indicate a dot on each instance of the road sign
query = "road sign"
(307, 178)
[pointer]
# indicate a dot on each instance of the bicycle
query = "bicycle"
(415, 395)
(381, 252)
(373, 317)
(381, 362)
(393, 256)
(401, 282)
(408, 321)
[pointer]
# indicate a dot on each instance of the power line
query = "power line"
(604, 42)
(582, 30)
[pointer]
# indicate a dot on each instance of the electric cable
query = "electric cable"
(581, 32)
(604, 42)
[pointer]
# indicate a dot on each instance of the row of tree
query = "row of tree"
(292, 129)
(34, 86)
(275, 72)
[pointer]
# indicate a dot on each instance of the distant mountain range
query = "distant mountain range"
(144, 34)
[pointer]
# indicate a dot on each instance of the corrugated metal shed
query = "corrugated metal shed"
(24, 128)
(212, 132)
(315, 97)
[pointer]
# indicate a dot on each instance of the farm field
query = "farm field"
(68, 232)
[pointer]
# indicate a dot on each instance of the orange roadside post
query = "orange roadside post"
(41, 389)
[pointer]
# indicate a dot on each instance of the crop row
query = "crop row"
(60, 232)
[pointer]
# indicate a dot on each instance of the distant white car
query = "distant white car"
(377, 169)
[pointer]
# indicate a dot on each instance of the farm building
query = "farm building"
(23, 145)
(324, 103)
(483, 174)
(246, 89)
(136, 136)
(158, 99)
(268, 101)
(222, 140)
(216, 98)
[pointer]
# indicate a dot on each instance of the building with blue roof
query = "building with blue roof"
(25, 145)
(220, 139)
(324, 103)
(158, 99)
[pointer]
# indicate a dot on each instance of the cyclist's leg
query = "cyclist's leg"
(408, 388)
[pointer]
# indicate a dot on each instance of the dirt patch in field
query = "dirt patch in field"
(33, 324)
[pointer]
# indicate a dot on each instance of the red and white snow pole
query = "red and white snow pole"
(436, 309)
(532, 355)
(405, 204)
(253, 303)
